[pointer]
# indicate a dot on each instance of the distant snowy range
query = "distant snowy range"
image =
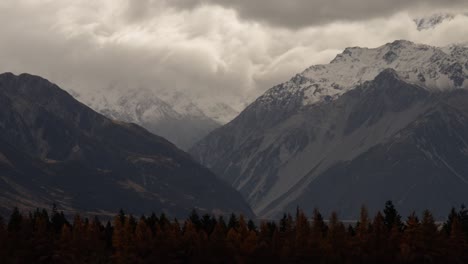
(171, 114)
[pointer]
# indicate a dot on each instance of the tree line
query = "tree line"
(40, 237)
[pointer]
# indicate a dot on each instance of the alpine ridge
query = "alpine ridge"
(373, 125)
(170, 114)
(179, 121)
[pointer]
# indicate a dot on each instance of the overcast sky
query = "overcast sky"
(225, 49)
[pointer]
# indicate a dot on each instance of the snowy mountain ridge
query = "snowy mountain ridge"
(172, 104)
(170, 114)
(305, 137)
(130, 106)
(430, 67)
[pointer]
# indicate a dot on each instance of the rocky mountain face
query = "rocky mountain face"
(373, 125)
(53, 149)
(172, 115)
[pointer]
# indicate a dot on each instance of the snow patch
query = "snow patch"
(430, 67)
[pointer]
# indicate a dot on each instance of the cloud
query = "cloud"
(303, 13)
(207, 51)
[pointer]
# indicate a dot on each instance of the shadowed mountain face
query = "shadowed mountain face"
(400, 143)
(54, 149)
(360, 130)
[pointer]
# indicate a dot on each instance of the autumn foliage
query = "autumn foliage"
(382, 238)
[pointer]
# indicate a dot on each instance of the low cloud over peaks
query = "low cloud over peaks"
(231, 50)
(296, 14)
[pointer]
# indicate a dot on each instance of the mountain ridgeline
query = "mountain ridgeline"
(53, 149)
(389, 123)
(174, 115)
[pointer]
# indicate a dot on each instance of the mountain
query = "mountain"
(170, 114)
(211, 108)
(373, 125)
(432, 21)
(54, 149)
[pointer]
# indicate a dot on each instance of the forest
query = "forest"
(51, 237)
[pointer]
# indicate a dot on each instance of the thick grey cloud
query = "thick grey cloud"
(206, 51)
(303, 13)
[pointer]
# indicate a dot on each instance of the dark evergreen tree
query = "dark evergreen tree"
(450, 219)
(286, 223)
(208, 223)
(463, 215)
(195, 219)
(163, 221)
(151, 221)
(233, 222)
(3, 241)
(391, 216)
(251, 225)
(16, 219)
(58, 219)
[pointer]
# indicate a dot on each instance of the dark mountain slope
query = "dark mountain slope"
(424, 166)
(55, 149)
(386, 139)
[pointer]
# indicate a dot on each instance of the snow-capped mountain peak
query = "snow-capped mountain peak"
(322, 140)
(430, 67)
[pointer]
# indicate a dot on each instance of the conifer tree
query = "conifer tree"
(195, 219)
(233, 241)
(335, 242)
(451, 217)
(65, 252)
(122, 239)
(265, 236)
(42, 238)
(317, 235)
(411, 239)
(217, 242)
(362, 246)
(57, 219)
(248, 245)
(95, 241)
(457, 242)
(143, 239)
(391, 216)
(16, 219)
(191, 240)
(243, 228)
(302, 234)
(233, 222)
(463, 215)
(3, 240)
(208, 223)
(251, 225)
(379, 240)
(287, 236)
